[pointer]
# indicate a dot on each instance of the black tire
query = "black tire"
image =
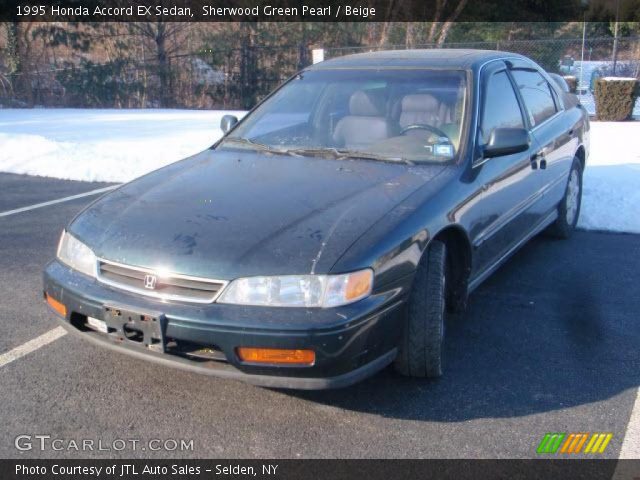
(420, 352)
(562, 227)
(457, 289)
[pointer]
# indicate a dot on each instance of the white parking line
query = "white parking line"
(32, 345)
(59, 200)
(631, 443)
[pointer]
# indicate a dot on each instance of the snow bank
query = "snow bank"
(119, 145)
(611, 184)
(102, 145)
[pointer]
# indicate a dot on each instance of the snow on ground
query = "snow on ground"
(611, 184)
(119, 145)
(102, 145)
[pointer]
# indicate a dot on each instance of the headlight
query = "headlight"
(300, 290)
(76, 254)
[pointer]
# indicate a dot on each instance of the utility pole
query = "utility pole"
(584, 34)
(584, 4)
(615, 38)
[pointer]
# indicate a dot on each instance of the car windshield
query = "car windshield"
(394, 114)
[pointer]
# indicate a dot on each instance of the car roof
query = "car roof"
(430, 58)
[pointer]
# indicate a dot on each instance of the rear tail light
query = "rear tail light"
(276, 356)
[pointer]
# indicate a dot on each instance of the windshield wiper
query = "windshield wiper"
(318, 152)
(339, 153)
(371, 156)
(257, 146)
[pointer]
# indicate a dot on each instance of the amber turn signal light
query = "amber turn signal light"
(56, 305)
(358, 284)
(276, 356)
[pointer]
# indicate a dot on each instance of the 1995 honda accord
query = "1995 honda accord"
(327, 234)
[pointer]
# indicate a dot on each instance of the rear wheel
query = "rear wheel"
(569, 206)
(420, 353)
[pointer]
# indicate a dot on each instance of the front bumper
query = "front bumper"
(350, 343)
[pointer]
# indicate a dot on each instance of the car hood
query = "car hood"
(230, 213)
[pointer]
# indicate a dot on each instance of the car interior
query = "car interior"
(377, 115)
(407, 119)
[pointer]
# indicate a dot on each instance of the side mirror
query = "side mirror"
(505, 141)
(227, 122)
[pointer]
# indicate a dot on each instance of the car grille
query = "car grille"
(166, 286)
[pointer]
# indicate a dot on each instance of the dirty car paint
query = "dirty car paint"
(229, 213)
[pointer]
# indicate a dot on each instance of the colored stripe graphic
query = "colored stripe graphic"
(594, 437)
(543, 444)
(573, 443)
(556, 444)
(551, 442)
(598, 443)
(569, 441)
(606, 442)
(581, 442)
(596, 446)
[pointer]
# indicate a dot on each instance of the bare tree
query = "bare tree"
(386, 26)
(439, 28)
(165, 40)
(440, 4)
(409, 38)
(19, 57)
(446, 26)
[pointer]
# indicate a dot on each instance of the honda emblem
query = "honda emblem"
(150, 282)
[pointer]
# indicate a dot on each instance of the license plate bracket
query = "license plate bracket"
(144, 330)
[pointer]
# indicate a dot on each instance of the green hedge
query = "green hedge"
(615, 98)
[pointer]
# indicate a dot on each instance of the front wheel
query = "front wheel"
(420, 353)
(569, 206)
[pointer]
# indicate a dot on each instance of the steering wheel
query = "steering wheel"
(424, 126)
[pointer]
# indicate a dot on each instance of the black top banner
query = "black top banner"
(317, 10)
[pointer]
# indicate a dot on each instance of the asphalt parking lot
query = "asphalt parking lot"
(549, 344)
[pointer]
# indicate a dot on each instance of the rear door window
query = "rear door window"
(537, 96)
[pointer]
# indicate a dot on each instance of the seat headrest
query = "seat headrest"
(420, 102)
(366, 104)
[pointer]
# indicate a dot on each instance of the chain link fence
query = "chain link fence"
(237, 78)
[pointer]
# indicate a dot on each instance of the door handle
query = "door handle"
(534, 160)
(539, 156)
